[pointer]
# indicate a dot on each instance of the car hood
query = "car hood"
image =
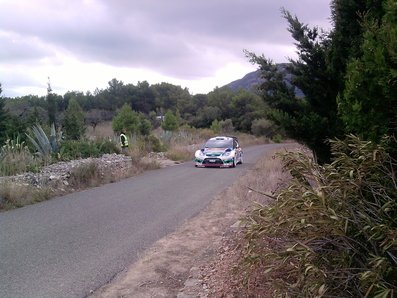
(215, 151)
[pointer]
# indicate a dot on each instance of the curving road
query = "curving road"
(70, 245)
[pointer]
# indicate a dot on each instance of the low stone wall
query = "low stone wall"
(58, 174)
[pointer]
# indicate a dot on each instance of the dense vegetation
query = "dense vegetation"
(348, 77)
(54, 127)
(149, 102)
(332, 232)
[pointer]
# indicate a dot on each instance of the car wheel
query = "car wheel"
(234, 163)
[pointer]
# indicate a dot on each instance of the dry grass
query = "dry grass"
(221, 276)
(180, 153)
(248, 140)
(17, 195)
(86, 175)
(102, 130)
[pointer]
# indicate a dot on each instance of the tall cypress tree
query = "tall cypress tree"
(368, 104)
(73, 122)
(347, 34)
(312, 119)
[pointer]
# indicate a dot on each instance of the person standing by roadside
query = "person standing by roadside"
(123, 142)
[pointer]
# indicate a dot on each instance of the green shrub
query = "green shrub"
(78, 149)
(84, 148)
(277, 138)
(215, 126)
(226, 126)
(333, 231)
(150, 143)
(263, 127)
(107, 146)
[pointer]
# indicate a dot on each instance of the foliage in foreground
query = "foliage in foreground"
(332, 232)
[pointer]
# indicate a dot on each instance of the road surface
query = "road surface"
(70, 245)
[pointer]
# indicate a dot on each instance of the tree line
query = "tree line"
(149, 103)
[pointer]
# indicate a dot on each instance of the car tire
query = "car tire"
(233, 163)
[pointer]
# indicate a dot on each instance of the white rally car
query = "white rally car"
(219, 152)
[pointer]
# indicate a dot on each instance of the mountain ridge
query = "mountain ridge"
(252, 79)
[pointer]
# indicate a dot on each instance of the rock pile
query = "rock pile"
(57, 174)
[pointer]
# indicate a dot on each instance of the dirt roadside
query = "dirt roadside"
(171, 267)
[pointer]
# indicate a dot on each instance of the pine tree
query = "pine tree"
(312, 119)
(73, 122)
(368, 104)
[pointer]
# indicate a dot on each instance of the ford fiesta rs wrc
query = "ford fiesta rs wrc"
(219, 152)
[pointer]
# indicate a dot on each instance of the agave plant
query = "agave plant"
(44, 145)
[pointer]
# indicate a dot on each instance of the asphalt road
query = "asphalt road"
(70, 245)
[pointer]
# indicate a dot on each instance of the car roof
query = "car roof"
(223, 138)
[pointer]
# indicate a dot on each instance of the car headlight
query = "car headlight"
(228, 153)
(199, 153)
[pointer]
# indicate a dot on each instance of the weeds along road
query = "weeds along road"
(73, 244)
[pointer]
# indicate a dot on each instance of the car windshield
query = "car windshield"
(219, 143)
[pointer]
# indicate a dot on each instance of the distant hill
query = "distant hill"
(251, 80)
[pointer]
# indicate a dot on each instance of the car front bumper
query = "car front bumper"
(214, 162)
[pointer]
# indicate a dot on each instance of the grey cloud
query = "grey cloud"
(16, 49)
(178, 38)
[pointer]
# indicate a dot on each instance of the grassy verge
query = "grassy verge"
(18, 195)
(224, 276)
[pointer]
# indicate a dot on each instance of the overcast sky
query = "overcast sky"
(198, 44)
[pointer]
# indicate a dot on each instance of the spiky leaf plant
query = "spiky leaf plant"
(333, 231)
(44, 145)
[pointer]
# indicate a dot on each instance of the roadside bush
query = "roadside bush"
(72, 149)
(153, 144)
(277, 138)
(18, 195)
(86, 175)
(332, 232)
(179, 153)
(107, 146)
(15, 158)
(215, 126)
(263, 127)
